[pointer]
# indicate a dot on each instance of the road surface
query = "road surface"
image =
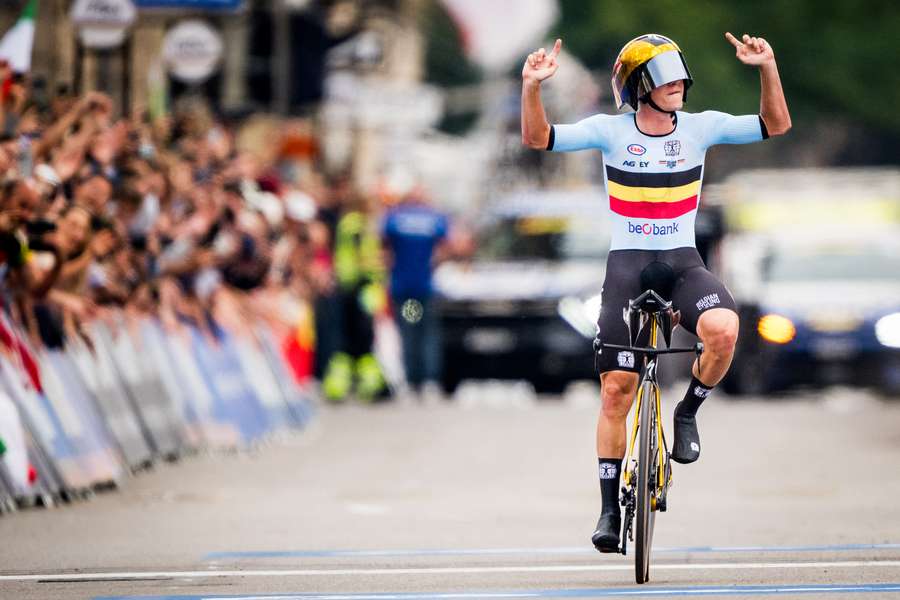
(493, 495)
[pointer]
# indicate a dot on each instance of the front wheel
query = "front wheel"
(646, 483)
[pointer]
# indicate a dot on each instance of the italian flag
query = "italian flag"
(15, 47)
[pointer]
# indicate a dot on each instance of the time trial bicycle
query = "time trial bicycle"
(648, 471)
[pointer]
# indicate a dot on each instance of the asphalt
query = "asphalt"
(492, 495)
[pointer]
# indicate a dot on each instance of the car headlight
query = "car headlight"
(581, 314)
(887, 330)
(776, 329)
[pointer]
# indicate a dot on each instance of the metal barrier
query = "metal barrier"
(95, 366)
(87, 417)
(295, 396)
(141, 387)
(233, 398)
(7, 494)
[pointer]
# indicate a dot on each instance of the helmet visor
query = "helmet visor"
(666, 68)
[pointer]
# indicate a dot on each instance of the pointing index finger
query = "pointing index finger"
(556, 48)
(732, 40)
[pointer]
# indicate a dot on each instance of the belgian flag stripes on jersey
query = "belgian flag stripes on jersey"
(653, 195)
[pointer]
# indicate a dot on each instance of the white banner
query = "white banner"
(500, 33)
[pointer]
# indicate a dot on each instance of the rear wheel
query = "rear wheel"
(646, 483)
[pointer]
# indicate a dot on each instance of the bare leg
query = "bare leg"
(718, 330)
(617, 394)
(617, 389)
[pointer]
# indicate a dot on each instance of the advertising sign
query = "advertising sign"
(102, 23)
(192, 51)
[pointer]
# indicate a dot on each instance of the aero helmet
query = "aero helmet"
(645, 63)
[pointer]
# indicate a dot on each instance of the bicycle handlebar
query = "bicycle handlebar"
(697, 349)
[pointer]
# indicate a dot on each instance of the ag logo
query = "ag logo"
(672, 148)
(636, 149)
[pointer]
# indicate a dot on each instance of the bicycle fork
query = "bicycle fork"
(628, 498)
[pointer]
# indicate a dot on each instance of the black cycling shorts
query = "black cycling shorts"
(694, 291)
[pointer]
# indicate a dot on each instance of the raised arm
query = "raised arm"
(539, 66)
(772, 104)
(93, 101)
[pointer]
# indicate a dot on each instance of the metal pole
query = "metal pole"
(281, 63)
(104, 70)
(126, 77)
(79, 67)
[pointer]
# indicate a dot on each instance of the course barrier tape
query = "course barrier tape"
(133, 393)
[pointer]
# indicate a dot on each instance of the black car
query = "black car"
(824, 312)
(525, 306)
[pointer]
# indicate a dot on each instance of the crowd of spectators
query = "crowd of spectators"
(184, 216)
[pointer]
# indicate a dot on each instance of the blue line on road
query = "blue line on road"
(736, 590)
(560, 550)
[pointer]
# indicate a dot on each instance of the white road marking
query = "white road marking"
(221, 556)
(126, 575)
(659, 592)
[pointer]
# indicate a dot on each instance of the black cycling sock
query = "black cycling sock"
(609, 483)
(697, 392)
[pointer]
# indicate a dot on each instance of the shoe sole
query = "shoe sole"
(683, 461)
(606, 545)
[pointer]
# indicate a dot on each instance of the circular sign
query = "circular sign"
(192, 51)
(102, 37)
(103, 23)
(103, 13)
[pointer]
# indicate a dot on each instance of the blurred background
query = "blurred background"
(347, 177)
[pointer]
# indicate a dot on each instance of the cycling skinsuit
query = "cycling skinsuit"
(653, 189)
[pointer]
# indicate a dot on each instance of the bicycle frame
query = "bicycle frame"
(661, 445)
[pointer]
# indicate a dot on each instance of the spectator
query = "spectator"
(414, 234)
(359, 273)
(187, 219)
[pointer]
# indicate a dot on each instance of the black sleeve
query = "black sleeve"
(553, 137)
(762, 127)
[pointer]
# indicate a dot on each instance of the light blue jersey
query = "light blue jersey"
(653, 181)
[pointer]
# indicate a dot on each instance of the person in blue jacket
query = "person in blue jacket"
(413, 233)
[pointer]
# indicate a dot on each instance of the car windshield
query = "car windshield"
(862, 265)
(543, 238)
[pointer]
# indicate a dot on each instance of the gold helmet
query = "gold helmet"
(645, 63)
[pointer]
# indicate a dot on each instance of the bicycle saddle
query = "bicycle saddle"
(649, 302)
(659, 277)
(650, 305)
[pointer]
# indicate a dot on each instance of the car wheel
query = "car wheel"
(549, 386)
(747, 376)
(449, 384)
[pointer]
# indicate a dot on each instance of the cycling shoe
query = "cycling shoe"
(606, 536)
(687, 440)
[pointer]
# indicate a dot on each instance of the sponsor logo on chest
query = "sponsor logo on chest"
(652, 228)
(636, 149)
(672, 147)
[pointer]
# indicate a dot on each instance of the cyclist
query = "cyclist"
(653, 159)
